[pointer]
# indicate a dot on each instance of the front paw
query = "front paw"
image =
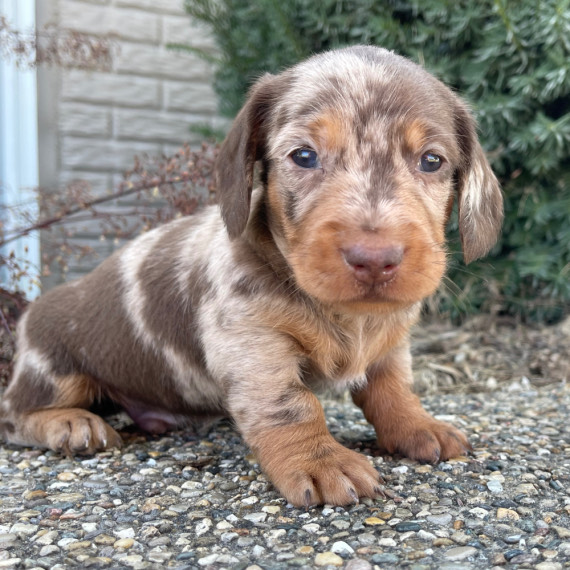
(329, 474)
(425, 439)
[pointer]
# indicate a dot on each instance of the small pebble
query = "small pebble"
(24, 528)
(312, 528)
(442, 542)
(548, 566)
(104, 539)
(358, 564)
(460, 553)
(34, 495)
(507, 514)
(440, 520)
(124, 543)
(256, 517)
(510, 554)
(366, 538)
(427, 536)
(407, 526)
(78, 545)
(386, 558)
(10, 563)
(495, 486)
(561, 531)
(132, 560)
(66, 476)
(125, 533)
(341, 548)
(203, 527)
(47, 538)
(498, 559)
(48, 550)
(328, 559)
(250, 500)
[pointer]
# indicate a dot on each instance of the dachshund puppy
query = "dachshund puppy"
(311, 280)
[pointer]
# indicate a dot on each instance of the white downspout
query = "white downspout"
(19, 151)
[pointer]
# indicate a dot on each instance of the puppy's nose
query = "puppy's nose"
(373, 264)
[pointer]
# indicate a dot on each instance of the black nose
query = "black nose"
(373, 264)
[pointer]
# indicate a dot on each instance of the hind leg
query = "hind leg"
(44, 410)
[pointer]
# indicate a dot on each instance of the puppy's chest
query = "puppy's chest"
(338, 355)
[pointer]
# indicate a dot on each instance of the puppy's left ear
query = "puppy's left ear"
(244, 145)
(480, 201)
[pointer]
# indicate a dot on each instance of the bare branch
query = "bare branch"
(55, 46)
(161, 189)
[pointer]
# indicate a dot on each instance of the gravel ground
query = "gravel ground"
(201, 502)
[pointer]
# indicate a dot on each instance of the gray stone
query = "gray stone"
(48, 550)
(367, 538)
(24, 528)
(441, 520)
(460, 553)
(256, 517)
(340, 524)
(385, 558)
(10, 563)
(548, 565)
(358, 564)
(494, 486)
(407, 527)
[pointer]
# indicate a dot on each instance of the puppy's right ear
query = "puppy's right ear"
(244, 145)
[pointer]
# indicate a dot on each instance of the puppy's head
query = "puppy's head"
(363, 152)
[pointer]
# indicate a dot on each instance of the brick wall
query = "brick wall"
(93, 123)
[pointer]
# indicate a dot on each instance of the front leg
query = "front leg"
(401, 424)
(284, 424)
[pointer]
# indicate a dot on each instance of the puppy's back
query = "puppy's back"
(131, 324)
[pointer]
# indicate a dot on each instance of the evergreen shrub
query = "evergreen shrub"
(509, 58)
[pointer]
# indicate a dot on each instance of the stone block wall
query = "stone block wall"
(93, 123)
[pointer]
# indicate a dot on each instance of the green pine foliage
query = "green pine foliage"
(509, 58)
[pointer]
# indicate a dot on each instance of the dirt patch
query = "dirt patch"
(488, 351)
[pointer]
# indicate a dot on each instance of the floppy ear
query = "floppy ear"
(480, 201)
(243, 146)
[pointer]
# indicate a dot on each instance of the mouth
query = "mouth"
(374, 292)
(374, 297)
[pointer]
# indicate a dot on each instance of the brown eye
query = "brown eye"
(305, 158)
(430, 162)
